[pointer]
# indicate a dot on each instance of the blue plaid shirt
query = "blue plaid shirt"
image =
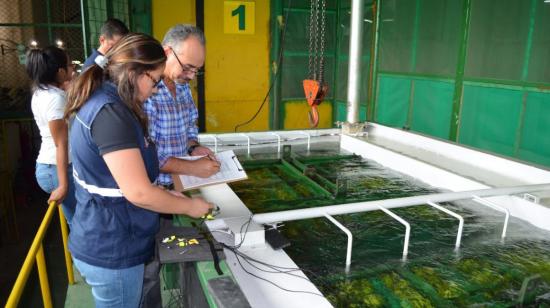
(172, 124)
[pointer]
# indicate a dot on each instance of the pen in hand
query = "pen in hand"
(212, 158)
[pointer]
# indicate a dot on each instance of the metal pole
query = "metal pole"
(336, 62)
(341, 209)
(43, 277)
(277, 24)
(84, 38)
(354, 71)
(374, 62)
(65, 238)
(32, 256)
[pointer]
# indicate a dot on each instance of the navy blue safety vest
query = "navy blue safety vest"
(107, 230)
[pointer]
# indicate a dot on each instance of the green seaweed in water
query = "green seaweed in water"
(356, 293)
(402, 289)
(445, 289)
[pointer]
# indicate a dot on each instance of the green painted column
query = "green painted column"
(529, 43)
(414, 44)
(140, 16)
(414, 48)
(525, 74)
(459, 75)
(277, 23)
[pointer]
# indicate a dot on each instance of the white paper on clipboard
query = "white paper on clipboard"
(230, 170)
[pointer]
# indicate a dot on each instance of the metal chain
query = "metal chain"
(316, 40)
(310, 33)
(317, 29)
(322, 44)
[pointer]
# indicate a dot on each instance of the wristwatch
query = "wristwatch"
(192, 148)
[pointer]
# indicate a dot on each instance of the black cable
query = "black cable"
(279, 269)
(279, 61)
(271, 282)
(243, 237)
(276, 268)
(249, 260)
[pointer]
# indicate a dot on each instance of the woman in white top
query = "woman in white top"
(49, 69)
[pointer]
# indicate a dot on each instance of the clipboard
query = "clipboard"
(231, 170)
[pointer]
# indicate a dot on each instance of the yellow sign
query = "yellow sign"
(238, 17)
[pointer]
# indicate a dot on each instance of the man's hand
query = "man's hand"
(202, 151)
(205, 167)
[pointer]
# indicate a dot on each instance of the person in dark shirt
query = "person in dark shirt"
(114, 167)
(111, 32)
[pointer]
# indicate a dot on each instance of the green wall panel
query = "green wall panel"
(432, 107)
(393, 101)
(535, 137)
(490, 118)
(341, 112)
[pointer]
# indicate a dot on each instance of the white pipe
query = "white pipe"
(498, 208)
(350, 239)
(407, 229)
(308, 139)
(278, 141)
(460, 219)
(340, 209)
(354, 68)
(247, 142)
(215, 141)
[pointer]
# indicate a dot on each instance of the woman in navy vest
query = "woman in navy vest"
(114, 167)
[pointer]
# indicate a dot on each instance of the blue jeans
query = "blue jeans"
(46, 176)
(119, 288)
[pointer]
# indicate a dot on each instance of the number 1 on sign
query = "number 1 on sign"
(241, 11)
(239, 17)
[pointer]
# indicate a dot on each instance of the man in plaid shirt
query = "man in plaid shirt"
(171, 111)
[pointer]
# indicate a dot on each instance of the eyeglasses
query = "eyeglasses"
(186, 68)
(155, 81)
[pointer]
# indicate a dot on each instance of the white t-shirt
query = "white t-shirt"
(47, 105)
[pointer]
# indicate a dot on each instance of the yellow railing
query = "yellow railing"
(36, 252)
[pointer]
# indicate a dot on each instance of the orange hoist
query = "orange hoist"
(315, 88)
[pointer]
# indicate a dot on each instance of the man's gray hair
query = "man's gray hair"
(180, 33)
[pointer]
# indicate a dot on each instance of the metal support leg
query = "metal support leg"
(498, 208)
(350, 240)
(407, 230)
(460, 219)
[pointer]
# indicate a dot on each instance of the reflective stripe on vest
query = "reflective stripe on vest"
(105, 192)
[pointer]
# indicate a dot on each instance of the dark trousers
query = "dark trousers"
(151, 295)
